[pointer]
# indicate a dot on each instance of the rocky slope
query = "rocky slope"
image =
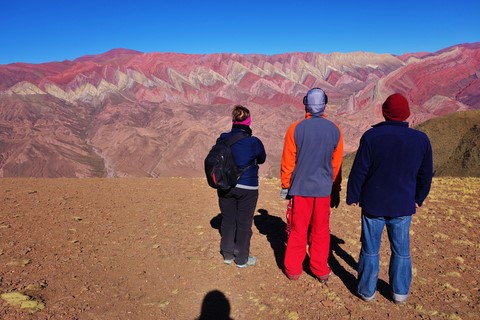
(455, 143)
(127, 113)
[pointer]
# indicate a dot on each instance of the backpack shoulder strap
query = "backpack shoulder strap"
(237, 137)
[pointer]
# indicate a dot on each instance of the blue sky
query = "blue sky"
(37, 31)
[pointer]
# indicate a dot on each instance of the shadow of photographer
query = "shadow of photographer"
(215, 306)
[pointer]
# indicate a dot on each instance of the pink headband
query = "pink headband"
(246, 122)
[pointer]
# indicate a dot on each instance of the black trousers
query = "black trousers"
(237, 207)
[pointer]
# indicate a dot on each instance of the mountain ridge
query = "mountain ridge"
(128, 113)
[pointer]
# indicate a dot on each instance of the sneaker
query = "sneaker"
(324, 279)
(366, 299)
(227, 261)
(251, 261)
(399, 298)
(293, 277)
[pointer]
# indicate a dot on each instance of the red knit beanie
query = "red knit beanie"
(396, 108)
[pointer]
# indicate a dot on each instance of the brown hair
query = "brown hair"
(240, 113)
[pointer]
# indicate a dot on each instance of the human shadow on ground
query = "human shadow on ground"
(274, 229)
(216, 223)
(349, 279)
(215, 306)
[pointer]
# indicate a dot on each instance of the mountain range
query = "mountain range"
(125, 113)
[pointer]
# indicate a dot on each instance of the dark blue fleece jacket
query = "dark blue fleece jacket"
(248, 151)
(392, 170)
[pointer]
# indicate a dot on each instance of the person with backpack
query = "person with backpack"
(311, 178)
(237, 203)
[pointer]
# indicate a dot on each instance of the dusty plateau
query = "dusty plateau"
(148, 248)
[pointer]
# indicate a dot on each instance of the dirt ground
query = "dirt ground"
(149, 249)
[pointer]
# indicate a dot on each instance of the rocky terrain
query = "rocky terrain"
(131, 114)
(148, 248)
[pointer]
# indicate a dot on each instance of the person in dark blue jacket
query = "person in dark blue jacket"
(390, 178)
(238, 204)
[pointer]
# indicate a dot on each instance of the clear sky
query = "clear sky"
(38, 31)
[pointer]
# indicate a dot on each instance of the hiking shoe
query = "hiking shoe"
(251, 261)
(324, 279)
(399, 298)
(293, 276)
(366, 299)
(227, 261)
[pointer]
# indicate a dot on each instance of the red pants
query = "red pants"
(314, 214)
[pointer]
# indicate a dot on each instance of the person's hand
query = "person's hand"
(334, 199)
(284, 193)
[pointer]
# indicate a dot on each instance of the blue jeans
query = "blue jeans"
(400, 269)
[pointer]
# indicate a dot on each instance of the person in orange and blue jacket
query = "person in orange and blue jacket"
(311, 177)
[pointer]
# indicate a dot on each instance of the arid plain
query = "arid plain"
(148, 248)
